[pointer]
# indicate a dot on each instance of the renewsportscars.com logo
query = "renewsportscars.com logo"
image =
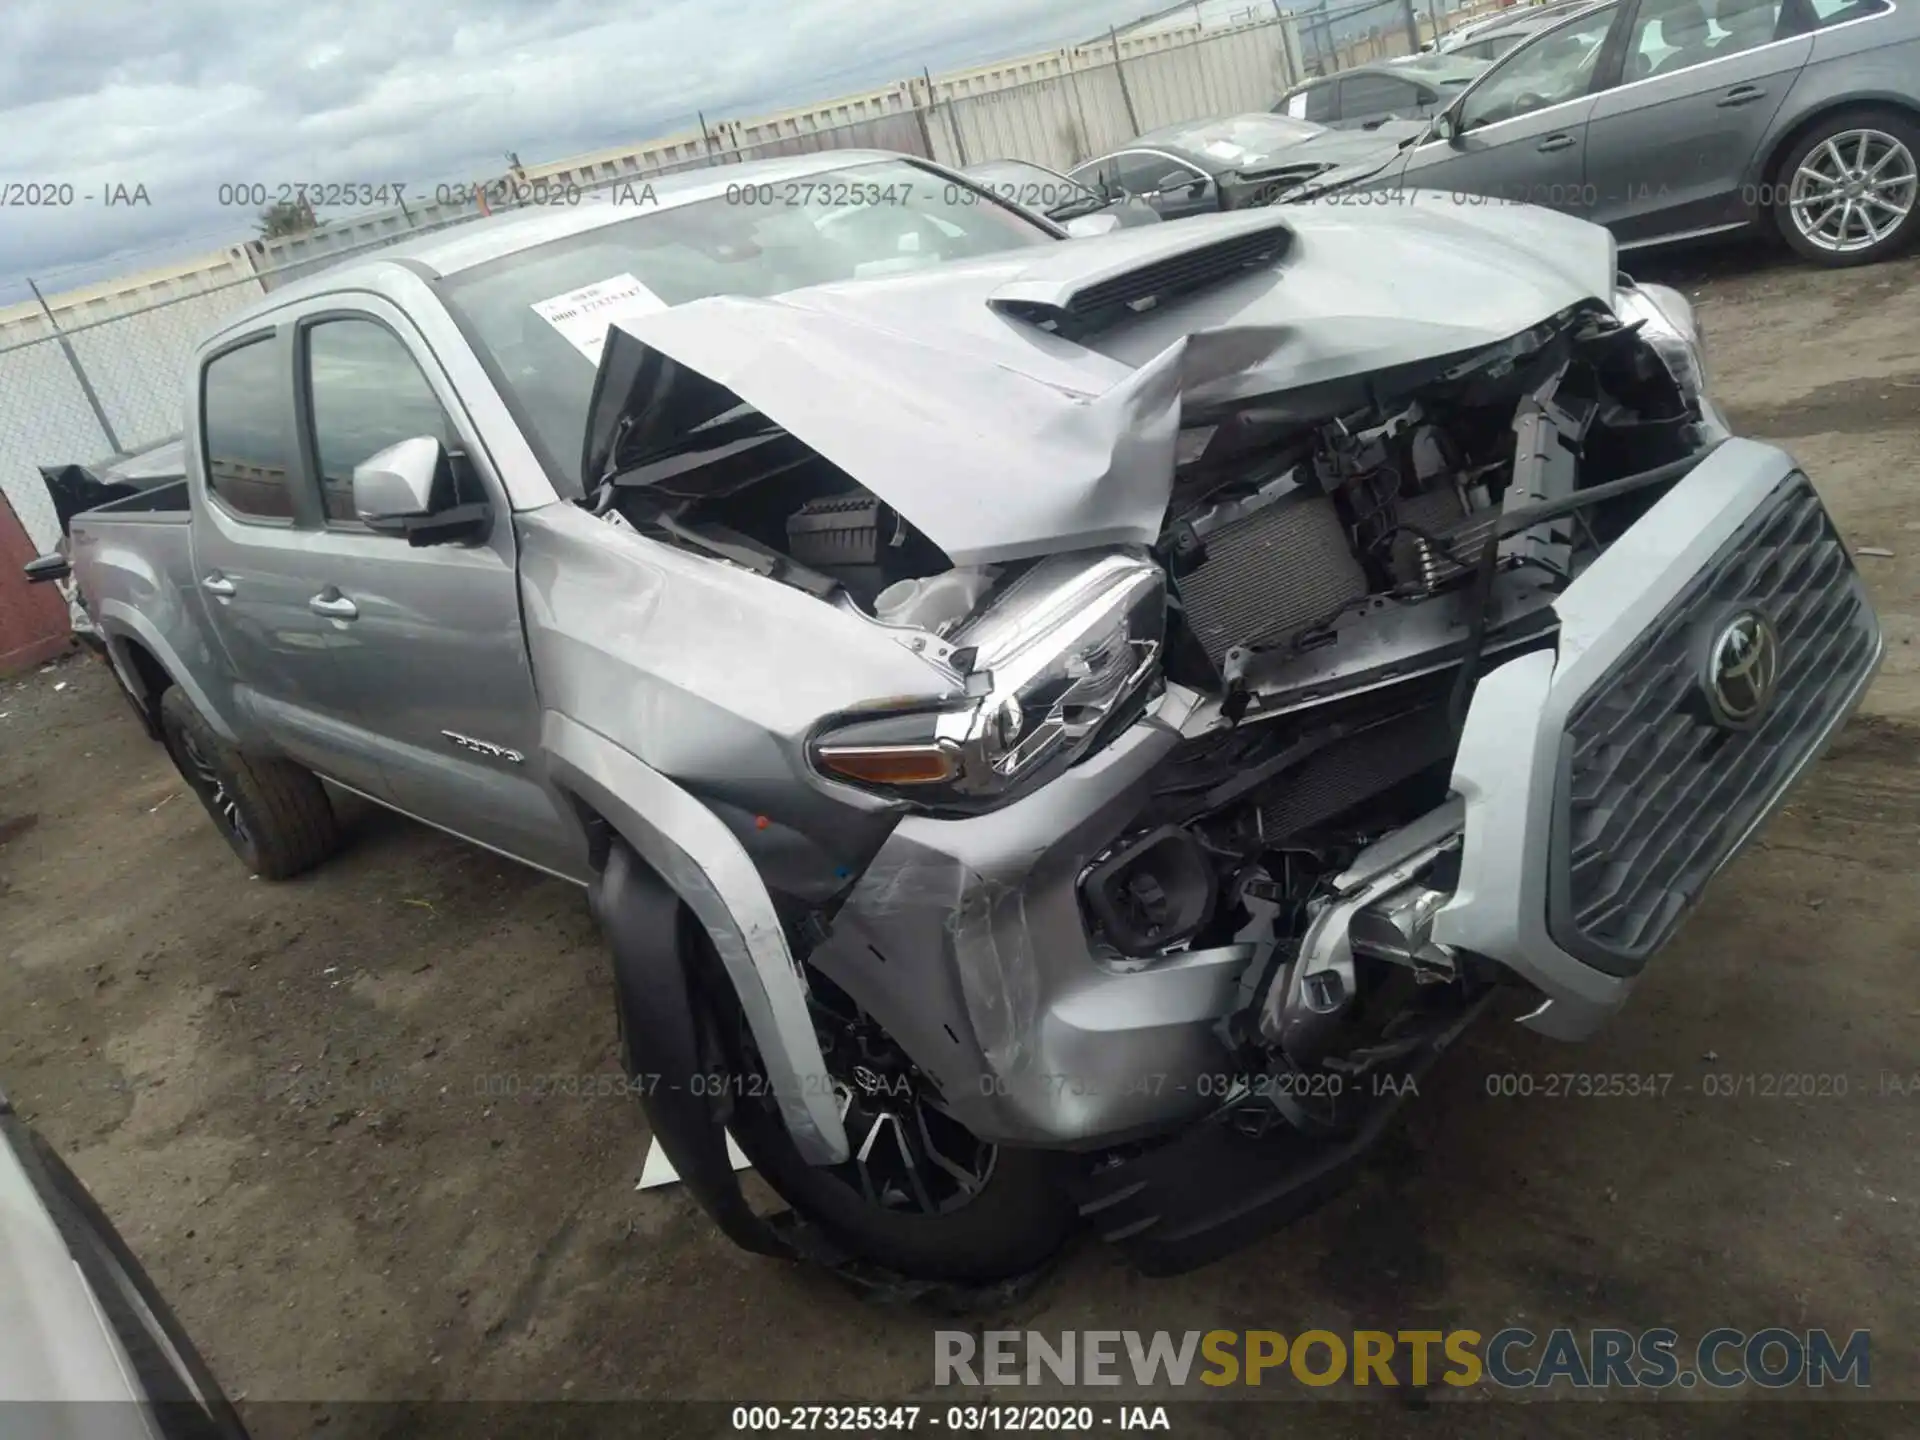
(1513, 1358)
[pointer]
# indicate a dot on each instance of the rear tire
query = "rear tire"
(1851, 230)
(273, 813)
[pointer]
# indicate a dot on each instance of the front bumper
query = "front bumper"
(965, 940)
(1599, 796)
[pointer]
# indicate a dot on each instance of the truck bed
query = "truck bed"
(167, 504)
(79, 489)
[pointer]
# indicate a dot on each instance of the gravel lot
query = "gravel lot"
(281, 1092)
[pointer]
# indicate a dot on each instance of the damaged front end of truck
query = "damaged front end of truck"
(1330, 630)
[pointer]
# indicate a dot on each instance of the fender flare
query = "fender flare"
(695, 854)
(119, 623)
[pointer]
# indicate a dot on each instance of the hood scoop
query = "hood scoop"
(1132, 283)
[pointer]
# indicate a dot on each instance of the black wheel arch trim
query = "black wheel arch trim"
(654, 941)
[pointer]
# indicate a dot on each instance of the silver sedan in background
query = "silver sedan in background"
(1670, 119)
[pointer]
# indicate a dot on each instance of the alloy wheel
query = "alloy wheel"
(907, 1155)
(208, 782)
(1853, 190)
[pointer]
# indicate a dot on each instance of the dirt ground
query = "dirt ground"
(290, 1096)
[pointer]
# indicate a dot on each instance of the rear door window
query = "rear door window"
(1310, 102)
(245, 410)
(1364, 95)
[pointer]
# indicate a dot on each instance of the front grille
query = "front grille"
(1654, 792)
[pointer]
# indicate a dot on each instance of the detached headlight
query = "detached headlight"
(1667, 321)
(1060, 653)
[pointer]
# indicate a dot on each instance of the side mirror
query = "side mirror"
(409, 489)
(44, 568)
(1085, 227)
(1446, 125)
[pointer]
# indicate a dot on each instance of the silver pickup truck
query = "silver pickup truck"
(1054, 731)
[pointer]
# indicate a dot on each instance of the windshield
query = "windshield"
(539, 315)
(1242, 140)
(1035, 187)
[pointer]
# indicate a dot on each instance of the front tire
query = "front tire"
(919, 1196)
(1845, 194)
(274, 814)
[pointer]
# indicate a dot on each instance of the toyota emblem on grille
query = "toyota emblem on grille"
(1743, 666)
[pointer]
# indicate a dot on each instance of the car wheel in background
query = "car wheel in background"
(274, 814)
(1848, 191)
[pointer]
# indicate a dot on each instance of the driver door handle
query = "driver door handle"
(332, 604)
(1555, 142)
(217, 584)
(1740, 95)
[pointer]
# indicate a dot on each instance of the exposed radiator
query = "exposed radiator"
(1266, 578)
(1355, 769)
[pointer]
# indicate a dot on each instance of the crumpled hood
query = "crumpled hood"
(999, 440)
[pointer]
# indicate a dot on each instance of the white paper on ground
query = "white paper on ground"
(659, 1170)
(582, 316)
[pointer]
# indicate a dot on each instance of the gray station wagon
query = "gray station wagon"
(1670, 119)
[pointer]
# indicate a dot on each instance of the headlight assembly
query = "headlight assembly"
(1059, 654)
(1667, 321)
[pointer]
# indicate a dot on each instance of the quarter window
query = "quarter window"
(243, 420)
(367, 393)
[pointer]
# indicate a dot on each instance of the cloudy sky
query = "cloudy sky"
(180, 96)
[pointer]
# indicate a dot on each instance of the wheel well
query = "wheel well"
(153, 678)
(599, 831)
(1784, 147)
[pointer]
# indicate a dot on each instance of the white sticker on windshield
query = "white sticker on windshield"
(1223, 150)
(582, 316)
(1297, 105)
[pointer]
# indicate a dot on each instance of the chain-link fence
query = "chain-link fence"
(83, 377)
(78, 389)
(1340, 34)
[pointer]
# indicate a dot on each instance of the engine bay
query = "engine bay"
(1307, 537)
